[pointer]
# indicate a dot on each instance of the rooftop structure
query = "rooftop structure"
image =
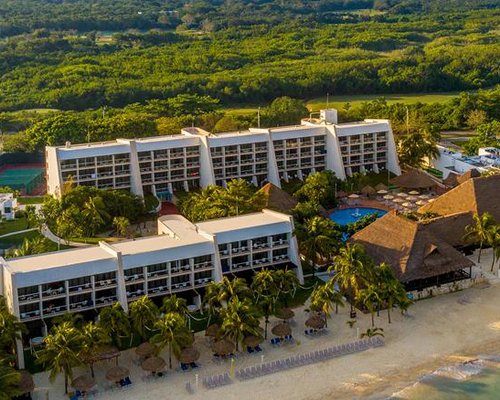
(455, 162)
(197, 158)
(8, 203)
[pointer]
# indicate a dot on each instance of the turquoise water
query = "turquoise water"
(457, 384)
(349, 215)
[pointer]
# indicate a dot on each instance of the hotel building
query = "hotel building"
(182, 259)
(196, 158)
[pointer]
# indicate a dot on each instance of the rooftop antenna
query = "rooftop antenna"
(258, 117)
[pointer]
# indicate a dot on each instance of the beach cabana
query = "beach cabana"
(451, 180)
(414, 179)
(189, 355)
(117, 373)
(418, 257)
(153, 364)
(223, 347)
(282, 330)
(315, 322)
(285, 313)
(252, 341)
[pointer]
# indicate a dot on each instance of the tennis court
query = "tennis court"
(25, 179)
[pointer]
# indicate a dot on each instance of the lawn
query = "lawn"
(30, 200)
(14, 225)
(17, 240)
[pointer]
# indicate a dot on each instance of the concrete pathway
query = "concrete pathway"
(45, 231)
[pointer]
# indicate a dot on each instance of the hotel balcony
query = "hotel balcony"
(106, 283)
(65, 167)
(177, 287)
(202, 282)
(26, 316)
(105, 300)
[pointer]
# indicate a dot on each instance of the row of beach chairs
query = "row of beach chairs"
(308, 358)
(211, 382)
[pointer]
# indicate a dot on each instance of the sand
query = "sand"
(435, 332)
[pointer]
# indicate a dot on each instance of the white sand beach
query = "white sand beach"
(436, 331)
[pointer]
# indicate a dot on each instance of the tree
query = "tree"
(174, 304)
(172, 332)
(10, 331)
(304, 210)
(318, 239)
(68, 225)
(61, 352)
(9, 381)
(479, 231)
(287, 282)
(369, 296)
(93, 337)
(323, 297)
(392, 292)
(494, 242)
(265, 287)
(33, 219)
(115, 322)
(219, 293)
(487, 136)
(476, 118)
(121, 225)
(226, 124)
(95, 213)
(319, 189)
(414, 148)
(143, 315)
(29, 247)
(239, 319)
(284, 111)
(240, 198)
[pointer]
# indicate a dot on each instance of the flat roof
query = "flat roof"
(56, 259)
(246, 221)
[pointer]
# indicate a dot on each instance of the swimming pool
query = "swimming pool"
(349, 215)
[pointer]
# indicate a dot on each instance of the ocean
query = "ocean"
(477, 380)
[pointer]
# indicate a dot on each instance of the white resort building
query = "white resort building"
(182, 259)
(8, 204)
(195, 158)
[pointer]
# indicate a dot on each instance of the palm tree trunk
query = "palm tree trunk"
(170, 355)
(493, 260)
(389, 313)
(92, 370)
(479, 254)
(65, 382)
(266, 323)
(373, 319)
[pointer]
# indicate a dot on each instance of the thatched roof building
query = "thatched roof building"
(380, 186)
(471, 173)
(450, 228)
(414, 179)
(476, 196)
(410, 248)
(368, 190)
(451, 180)
(277, 199)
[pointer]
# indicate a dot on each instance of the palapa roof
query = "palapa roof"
(380, 186)
(368, 190)
(277, 199)
(410, 248)
(476, 195)
(450, 228)
(451, 180)
(414, 179)
(471, 173)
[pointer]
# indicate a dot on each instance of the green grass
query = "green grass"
(15, 225)
(17, 240)
(30, 200)
(35, 111)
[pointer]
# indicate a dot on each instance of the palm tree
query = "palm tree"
(10, 331)
(115, 322)
(93, 337)
(371, 332)
(239, 198)
(479, 231)
(61, 351)
(318, 239)
(415, 147)
(371, 299)
(9, 381)
(121, 225)
(287, 284)
(94, 211)
(265, 288)
(323, 297)
(29, 247)
(143, 315)
(239, 319)
(494, 242)
(353, 269)
(172, 332)
(175, 304)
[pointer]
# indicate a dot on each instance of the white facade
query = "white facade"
(183, 258)
(196, 158)
(455, 162)
(8, 204)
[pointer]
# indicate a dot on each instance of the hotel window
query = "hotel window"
(246, 148)
(160, 154)
(122, 158)
(192, 150)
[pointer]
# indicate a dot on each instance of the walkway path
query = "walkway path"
(17, 232)
(45, 231)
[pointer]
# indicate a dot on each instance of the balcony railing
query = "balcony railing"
(105, 300)
(202, 281)
(28, 297)
(30, 314)
(105, 283)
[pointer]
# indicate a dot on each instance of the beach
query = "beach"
(435, 332)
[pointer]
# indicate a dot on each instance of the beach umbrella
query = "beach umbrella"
(83, 383)
(353, 196)
(189, 355)
(26, 384)
(153, 364)
(420, 203)
(285, 313)
(388, 197)
(117, 373)
(402, 194)
(424, 196)
(282, 329)
(252, 341)
(407, 204)
(398, 200)
(223, 347)
(383, 191)
(412, 198)
(316, 322)
(212, 330)
(145, 349)
(414, 193)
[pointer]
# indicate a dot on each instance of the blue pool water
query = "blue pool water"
(349, 215)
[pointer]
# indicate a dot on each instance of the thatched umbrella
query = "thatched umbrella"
(145, 349)
(26, 384)
(414, 193)
(281, 330)
(412, 198)
(341, 194)
(117, 373)
(388, 197)
(285, 313)
(212, 330)
(380, 186)
(407, 204)
(153, 364)
(189, 355)
(368, 190)
(83, 383)
(421, 202)
(424, 196)
(316, 322)
(398, 200)
(402, 194)
(252, 341)
(382, 191)
(223, 347)
(353, 196)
